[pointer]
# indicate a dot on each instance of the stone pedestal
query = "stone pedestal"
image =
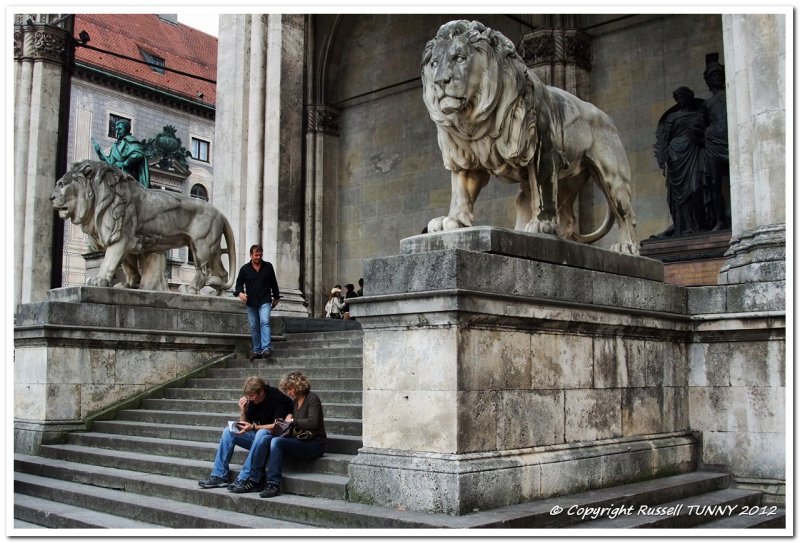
(689, 260)
(502, 367)
(86, 349)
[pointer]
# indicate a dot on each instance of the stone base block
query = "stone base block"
(87, 349)
(458, 484)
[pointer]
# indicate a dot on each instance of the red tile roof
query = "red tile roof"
(182, 48)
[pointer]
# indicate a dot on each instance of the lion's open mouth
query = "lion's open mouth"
(450, 104)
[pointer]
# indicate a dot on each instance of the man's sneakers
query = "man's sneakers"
(241, 487)
(271, 491)
(258, 356)
(213, 482)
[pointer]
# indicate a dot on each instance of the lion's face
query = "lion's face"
(453, 75)
(73, 197)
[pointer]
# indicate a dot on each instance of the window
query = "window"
(112, 124)
(200, 149)
(199, 191)
(156, 63)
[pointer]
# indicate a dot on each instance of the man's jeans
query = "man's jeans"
(258, 445)
(258, 317)
(296, 448)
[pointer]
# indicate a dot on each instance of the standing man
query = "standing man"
(127, 153)
(257, 287)
(258, 409)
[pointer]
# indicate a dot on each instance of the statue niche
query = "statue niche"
(692, 150)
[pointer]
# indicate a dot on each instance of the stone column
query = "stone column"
(41, 55)
(322, 167)
(259, 136)
(755, 60)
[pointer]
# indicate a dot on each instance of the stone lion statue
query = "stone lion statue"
(495, 117)
(135, 226)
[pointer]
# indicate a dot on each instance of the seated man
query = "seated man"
(258, 409)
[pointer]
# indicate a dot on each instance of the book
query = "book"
(233, 426)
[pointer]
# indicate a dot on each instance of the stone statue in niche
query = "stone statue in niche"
(692, 150)
(679, 152)
(135, 226)
(715, 111)
(493, 116)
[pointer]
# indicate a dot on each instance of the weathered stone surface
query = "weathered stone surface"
(593, 414)
(538, 419)
(487, 239)
(457, 484)
(560, 361)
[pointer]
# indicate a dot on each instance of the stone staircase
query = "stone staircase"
(140, 470)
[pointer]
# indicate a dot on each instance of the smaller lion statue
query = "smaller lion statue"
(494, 117)
(135, 226)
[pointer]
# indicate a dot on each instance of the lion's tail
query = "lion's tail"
(230, 250)
(607, 224)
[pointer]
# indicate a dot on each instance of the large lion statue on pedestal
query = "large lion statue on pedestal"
(135, 226)
(493, 116)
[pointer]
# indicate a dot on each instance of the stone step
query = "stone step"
(288, 364)
(540, 514)
(681, 513)
(320, 343)
(233, 382)
(326, 485)
(80, 443)
(43, 513)
(335, 410)
(326, 336)
(233, 394)
(337, 443)
(274, 374)
(220, 420)
(21, 524)
(764, 517)
(135, 505)
(314, 353)
(172, 500)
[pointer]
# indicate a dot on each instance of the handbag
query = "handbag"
(282, 428)
(301, 433)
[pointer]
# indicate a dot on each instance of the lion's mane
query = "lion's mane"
(500, 124)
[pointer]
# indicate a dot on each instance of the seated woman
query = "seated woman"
(307, 415)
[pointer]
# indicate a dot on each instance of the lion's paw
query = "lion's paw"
(435, 225)
(625, 248)
(541, 227)
(98, 282)
(187, 289)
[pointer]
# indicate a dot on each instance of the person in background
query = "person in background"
(257, 287)
(348, 292)
(360, 290)
(333, 309)
(307, 417)
(258, 409)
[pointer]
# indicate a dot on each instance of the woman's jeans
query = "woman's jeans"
(258, 445)
(258, 318)
(296, 448)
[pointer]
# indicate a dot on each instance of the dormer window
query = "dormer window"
(156, 63)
